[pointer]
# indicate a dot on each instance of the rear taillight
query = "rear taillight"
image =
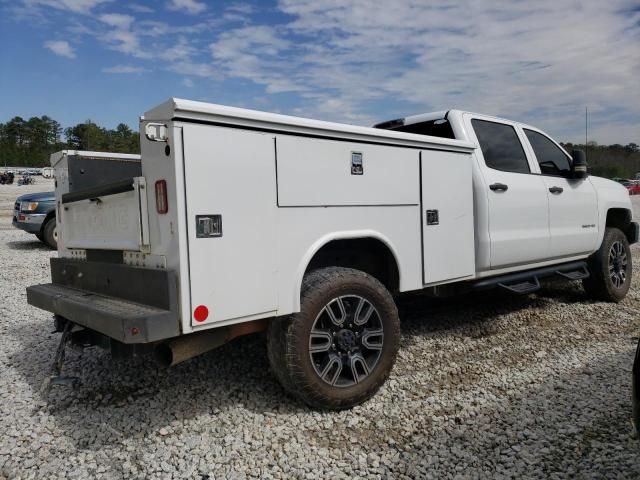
(162, 206)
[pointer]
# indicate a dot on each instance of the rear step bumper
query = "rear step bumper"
(122, 320)
(527, 281)
(128, 304)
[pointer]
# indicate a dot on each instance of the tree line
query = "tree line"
(610, 161)
(28, 143)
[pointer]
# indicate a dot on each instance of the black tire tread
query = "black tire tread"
(598, 286)
(47, 233)
(282, 339)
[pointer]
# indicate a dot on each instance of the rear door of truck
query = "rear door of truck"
(516, 193)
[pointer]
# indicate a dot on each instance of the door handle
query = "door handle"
(499, 187)
(556, 189)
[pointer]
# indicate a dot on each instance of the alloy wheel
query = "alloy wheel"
(346, 340)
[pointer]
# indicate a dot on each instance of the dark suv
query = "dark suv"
(36, 213)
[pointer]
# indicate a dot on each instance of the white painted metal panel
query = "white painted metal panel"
(231, 173)
(115, 222)
(317, 172)
(573, 217)
(449, 251)
(302, 231)
(518, 218)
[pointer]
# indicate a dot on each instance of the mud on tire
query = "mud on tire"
(340, 348)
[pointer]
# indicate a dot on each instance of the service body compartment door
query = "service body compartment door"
(230, 190)
(313, 172)
(447, 216)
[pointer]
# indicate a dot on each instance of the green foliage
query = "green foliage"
(29, 143)
(610, 161)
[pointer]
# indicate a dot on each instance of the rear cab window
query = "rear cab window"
(552, 160)
(436, 128)
(501, 147)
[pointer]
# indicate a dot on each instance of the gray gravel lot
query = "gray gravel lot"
(485, 386)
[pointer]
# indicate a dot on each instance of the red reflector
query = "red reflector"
(162, 206)
(21, 217)
(201, 313)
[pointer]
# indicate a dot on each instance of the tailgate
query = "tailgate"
(111, 217)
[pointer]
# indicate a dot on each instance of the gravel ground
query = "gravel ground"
(495, 386)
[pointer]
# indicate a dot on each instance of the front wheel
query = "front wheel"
(610, 268)
(340, 348)
(50, 234)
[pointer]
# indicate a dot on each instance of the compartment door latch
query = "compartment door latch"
(357, 168)
(208, 226)
(432, 217)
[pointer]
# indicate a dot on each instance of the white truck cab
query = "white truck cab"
(242, 221)
(529, 207)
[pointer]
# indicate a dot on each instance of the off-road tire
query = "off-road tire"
(599, 285)
(48, 234)
(288, 339)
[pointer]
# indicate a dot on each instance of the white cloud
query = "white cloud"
(256, 53)
(121, 37)
(61, 48)
(244, 8)
(187, 82)
(125, 41)
(78, 6)
(124, 69)
(138, 8)
(181, 50)
(117, 20)
(192, 7)
(537, 62)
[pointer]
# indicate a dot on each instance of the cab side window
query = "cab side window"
(500, 146)
(551, 159)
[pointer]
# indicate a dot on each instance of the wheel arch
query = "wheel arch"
(51, 214)
(352, 249)
(621, 218)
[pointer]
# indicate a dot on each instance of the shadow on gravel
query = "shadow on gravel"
(133, 399)
(28, 245)
(475, 314)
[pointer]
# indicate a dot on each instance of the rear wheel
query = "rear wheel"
(50, 234)
(340, 348)
(610, 268)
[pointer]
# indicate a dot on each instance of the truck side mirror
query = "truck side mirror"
(579, 164)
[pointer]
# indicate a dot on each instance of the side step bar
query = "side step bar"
(528, 281)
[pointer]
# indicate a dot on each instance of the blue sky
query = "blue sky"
(357, 62)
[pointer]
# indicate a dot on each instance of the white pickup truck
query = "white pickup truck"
(242, 221)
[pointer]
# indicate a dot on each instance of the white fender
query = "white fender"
(322, 241)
